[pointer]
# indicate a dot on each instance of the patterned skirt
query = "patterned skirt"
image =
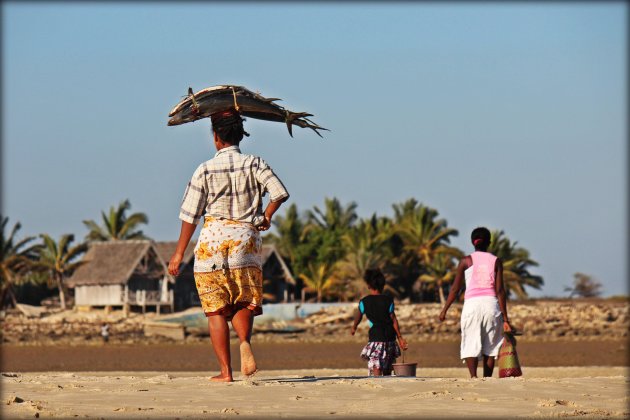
(380, 355)
(228, 267)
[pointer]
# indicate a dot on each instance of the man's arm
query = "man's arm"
(271, 208)
(185, 234)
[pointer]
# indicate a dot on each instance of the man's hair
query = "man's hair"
(480, 238)
(229, 126)
(374, 279)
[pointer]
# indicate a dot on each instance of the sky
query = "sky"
(511, 116)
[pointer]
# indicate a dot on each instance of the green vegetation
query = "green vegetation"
(58, 260)
(116, 225)
(330, 249)
(16, 259)
(327, 249)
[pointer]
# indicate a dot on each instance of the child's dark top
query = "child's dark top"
(377, 309)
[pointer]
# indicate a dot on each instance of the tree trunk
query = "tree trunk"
(441, 292)
(62, 294)
(12, 295)
(319, 296)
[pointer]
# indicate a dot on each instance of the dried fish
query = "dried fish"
(215, 99)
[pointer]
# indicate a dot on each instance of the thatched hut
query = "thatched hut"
(122, 273)
(183, 286)
(278, 282)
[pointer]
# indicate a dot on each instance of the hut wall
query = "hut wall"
(98, 295)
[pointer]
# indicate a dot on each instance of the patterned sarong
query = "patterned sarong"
(380, 355)
(228, 267)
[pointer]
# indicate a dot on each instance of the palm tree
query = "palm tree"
(335, 216)
(116, 225)
(425, 244)
(367, 246)
(57, 258)
(290, 233)
(516, 265)
(324, 230)
(319, 279)
(15, 259)
(439, 273)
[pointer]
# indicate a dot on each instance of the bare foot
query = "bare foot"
(222, 378)
(248, 363)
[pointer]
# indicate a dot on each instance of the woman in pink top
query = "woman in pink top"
(484, 315)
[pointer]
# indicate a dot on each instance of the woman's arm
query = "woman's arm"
(501, 295)
(457, 284)
(184, 238)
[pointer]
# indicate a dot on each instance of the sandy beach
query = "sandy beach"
(575, 364)
(589, 392)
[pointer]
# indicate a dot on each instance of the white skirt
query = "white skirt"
(482, 327)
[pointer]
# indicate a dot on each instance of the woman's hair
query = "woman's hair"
(229, 126)
(374, 279)
(480, 238)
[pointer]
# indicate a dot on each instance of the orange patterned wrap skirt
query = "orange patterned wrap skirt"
(228, 267)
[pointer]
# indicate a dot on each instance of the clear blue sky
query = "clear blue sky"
(510, 115)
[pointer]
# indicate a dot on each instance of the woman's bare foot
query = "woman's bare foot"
(248, 363)
(222, 378)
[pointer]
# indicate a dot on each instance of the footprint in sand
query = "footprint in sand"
(229, 410)
(431, 394)
(554, 403)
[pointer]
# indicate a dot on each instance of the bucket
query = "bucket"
(405, 369)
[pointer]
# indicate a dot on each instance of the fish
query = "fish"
(208, 101)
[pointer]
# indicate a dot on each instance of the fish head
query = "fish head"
(182, 118)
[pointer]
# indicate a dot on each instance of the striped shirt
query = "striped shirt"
(231, 186)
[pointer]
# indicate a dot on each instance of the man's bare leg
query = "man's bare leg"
(220, 336)
(243, 322)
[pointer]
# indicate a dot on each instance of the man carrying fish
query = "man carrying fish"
(227, 192)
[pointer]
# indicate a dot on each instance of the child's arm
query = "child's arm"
(358, 316)
(401, 340)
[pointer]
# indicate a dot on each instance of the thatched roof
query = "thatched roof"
(111, 262)
(270, 250)
(165, 251)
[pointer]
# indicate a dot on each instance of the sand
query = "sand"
(590, 392)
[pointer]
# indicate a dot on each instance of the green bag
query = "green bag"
(508, 359)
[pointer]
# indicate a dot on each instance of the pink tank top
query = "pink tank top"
(481, 282)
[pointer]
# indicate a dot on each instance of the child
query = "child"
(382, 350)
(105, 332)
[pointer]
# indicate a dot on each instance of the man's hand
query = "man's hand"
(353, 330)
(265, 225)
(174, 263)
(507, 327)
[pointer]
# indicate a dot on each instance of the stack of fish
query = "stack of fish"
(215, 99)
